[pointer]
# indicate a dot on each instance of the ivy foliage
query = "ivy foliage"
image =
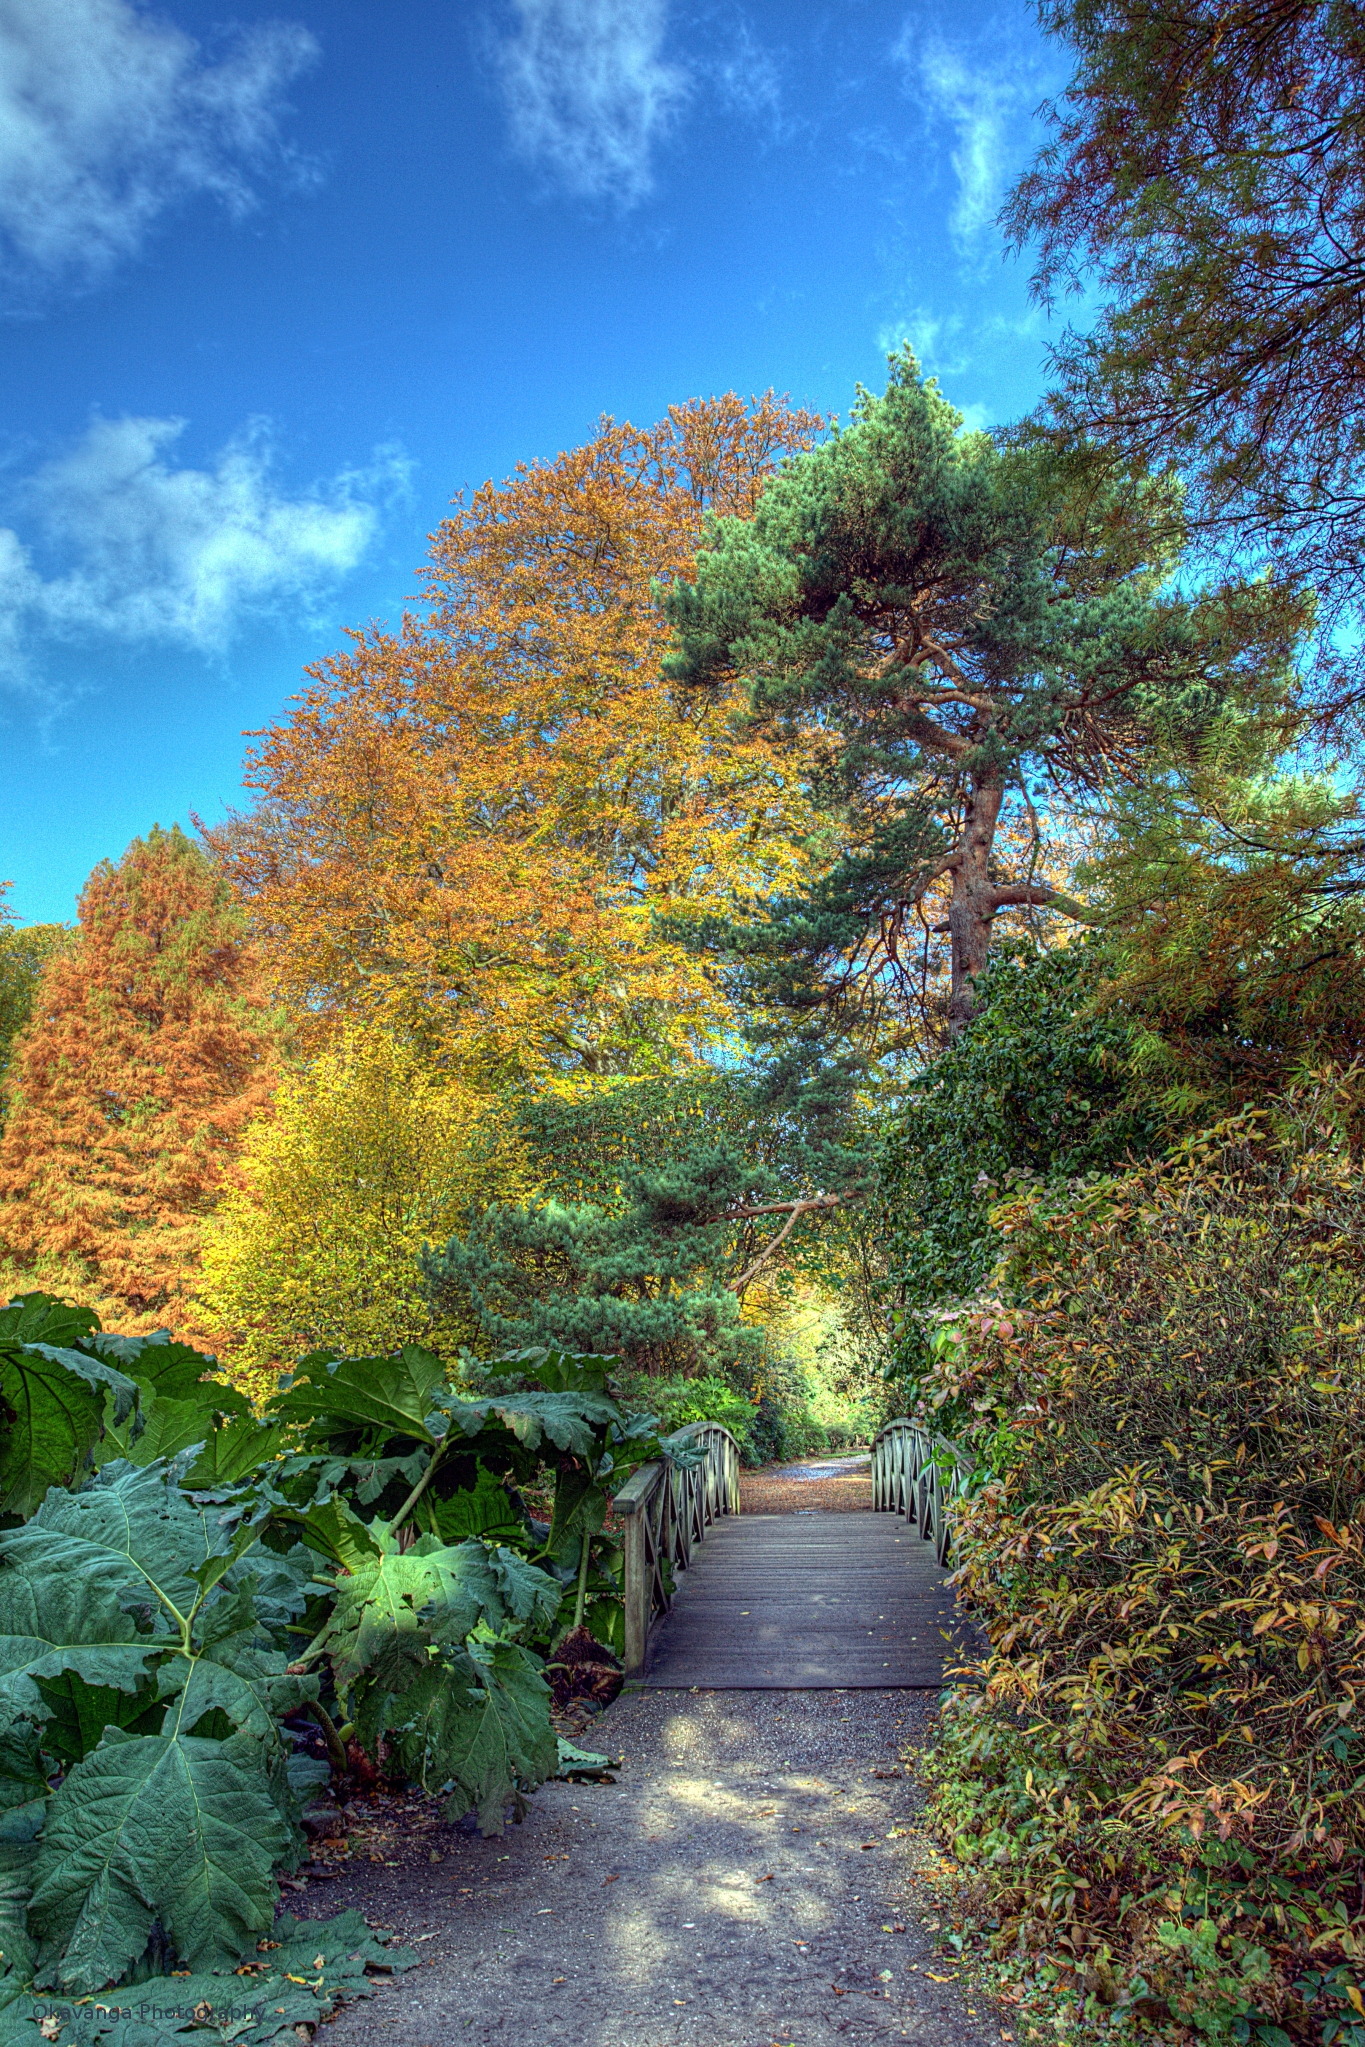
(1039, 1087)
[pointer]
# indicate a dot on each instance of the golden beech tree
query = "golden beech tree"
(148, 1048)
(482, 829)
(362, 1159)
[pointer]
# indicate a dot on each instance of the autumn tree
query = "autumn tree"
(363, 1157)
(949, 633)
(24, 950)
(147, 1050)
(471, 828)
(1205, 181)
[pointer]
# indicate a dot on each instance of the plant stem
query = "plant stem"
(415, 1495)
(336, 1747)
(581, 1602)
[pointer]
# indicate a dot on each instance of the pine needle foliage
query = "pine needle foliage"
(949, 632)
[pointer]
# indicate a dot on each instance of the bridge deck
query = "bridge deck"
(796, 1602)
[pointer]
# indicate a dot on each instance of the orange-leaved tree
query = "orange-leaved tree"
(148, 1048)
(483, 829)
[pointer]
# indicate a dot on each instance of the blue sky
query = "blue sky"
(274, 286)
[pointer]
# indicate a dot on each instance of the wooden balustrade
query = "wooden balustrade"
(666, 1509)
(919, 1475)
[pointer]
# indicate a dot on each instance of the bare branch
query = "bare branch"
(792, 1210)
(1038, 896)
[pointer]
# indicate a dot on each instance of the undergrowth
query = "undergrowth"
(1154, 1784)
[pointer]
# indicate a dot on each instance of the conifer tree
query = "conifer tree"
(147, 1050)
(954, 634)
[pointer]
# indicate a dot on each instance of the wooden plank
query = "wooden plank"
(794, 1601)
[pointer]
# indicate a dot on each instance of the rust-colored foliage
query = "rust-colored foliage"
(147, 1051)
(470, 828)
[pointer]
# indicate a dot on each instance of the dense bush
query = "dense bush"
(182, 1581)
(1039, 1086)
(1158, 1784)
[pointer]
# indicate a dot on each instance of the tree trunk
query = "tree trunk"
(973, 906)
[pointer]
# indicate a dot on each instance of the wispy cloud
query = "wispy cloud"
(110, 116)
(139, 550)
(985, 94)
(936, 339)
(589, 92)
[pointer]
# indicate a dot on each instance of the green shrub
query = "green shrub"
(1161, 1770)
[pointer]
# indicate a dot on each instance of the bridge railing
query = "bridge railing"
(918, 1474)
(666, 1510)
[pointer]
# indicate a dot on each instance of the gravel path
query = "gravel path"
(814, 1485)
(747, 1880)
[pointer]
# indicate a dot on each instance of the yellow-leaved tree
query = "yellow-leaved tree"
(485, 829)
(361, 1160)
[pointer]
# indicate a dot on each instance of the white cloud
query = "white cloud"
(986, 103)
(588, 92)
(155, 554)
(109, 116)
(936, 339)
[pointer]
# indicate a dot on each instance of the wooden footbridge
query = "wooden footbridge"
(791, 1602)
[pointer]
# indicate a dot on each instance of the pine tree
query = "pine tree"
(147, 1050)
(959, 637)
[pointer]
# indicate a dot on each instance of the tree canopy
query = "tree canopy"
(24, 949)
(469, 829)
(361, 1159)
(663, 1202)
(1206, 179)
(148, 1049)
(948, 632)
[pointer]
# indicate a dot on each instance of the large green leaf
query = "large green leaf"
(52, 1403)
(169, 1827)
(447, 1590)
(54, 1620)
(172, 1371)
(282, 1583)
(235, 1452)
(393, 1395)
(485, 1509)
(474, 1721)
(295, 1980)
(338, 1534)
(573, 1420)
(161, 1428)
(127, 1529)
(75, 1714)
(236, 1672)
(42, 1318)
(23, 1782)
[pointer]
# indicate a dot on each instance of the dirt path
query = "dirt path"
(813, 1485)
(744, 1882)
